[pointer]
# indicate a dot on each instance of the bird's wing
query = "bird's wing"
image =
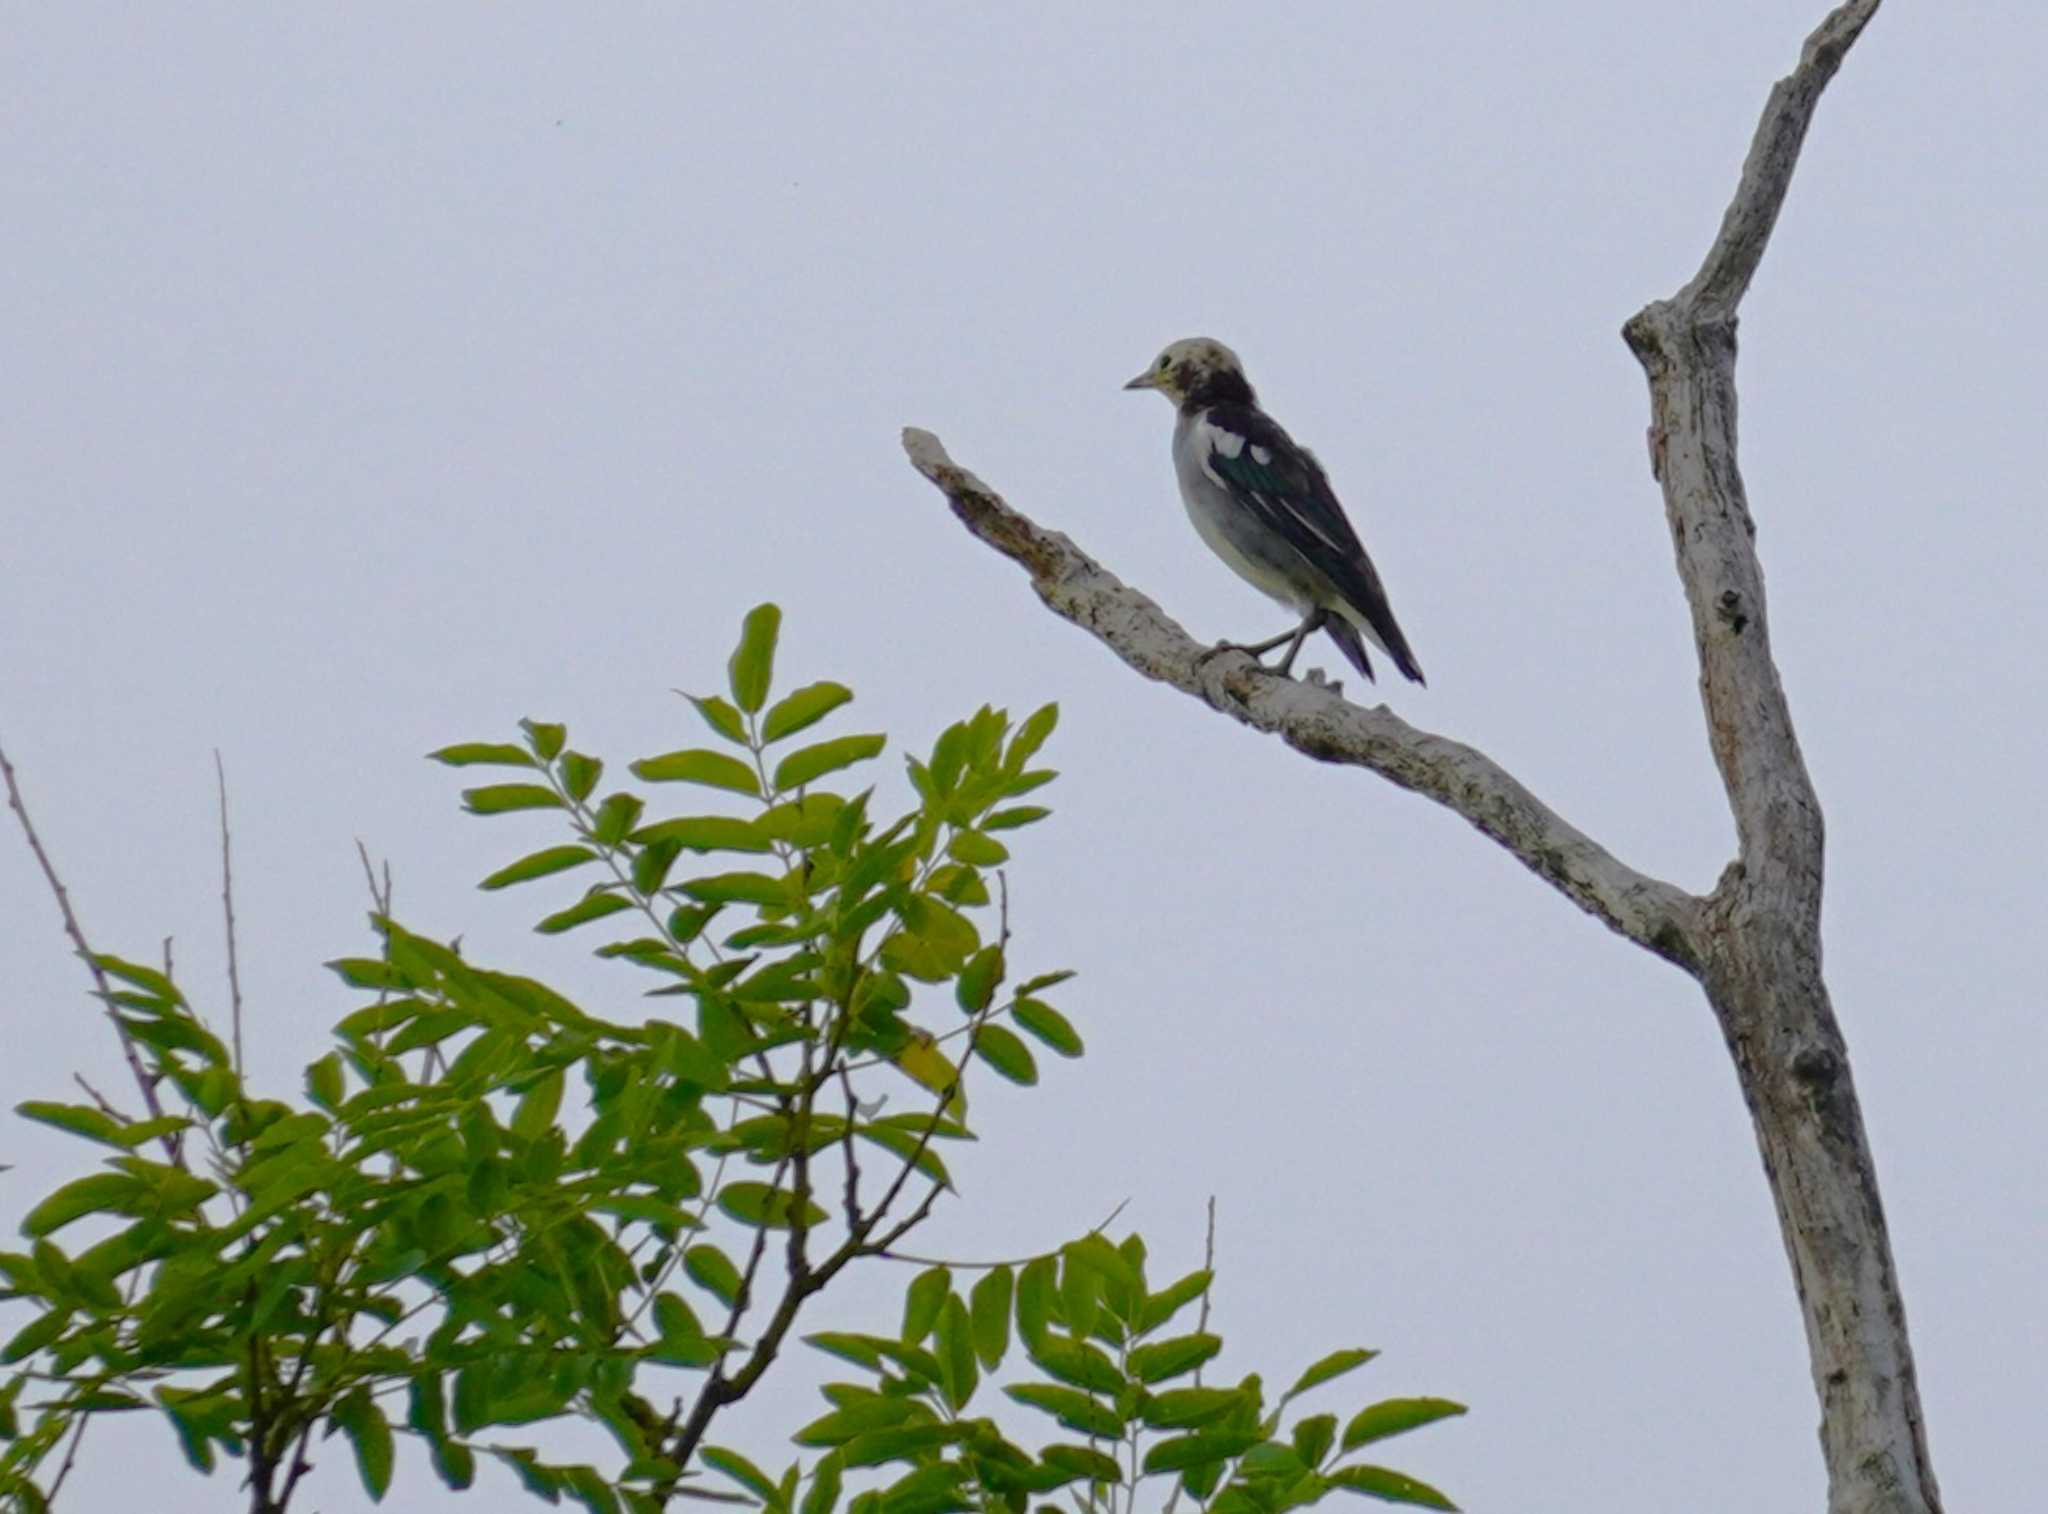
(1248, 454)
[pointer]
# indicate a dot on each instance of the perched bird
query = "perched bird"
(1263, 505)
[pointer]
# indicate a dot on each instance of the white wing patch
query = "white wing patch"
(1261, 455)
(1229, 443)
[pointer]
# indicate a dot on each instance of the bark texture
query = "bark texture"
(1754, 943)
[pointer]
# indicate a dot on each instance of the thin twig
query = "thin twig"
(227, 904)
(106, 1106)
(86, 955)
(1015, 1261)
(70, 1457)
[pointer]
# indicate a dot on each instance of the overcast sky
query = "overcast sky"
(374, 376)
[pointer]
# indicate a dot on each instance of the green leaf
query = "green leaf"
(922, 1301)
(809, 763)
(1031, 736)
(370, 1436)
(721, 717)
(1008, 1055)
(823, 1496)
(990, 1306)
(1271, 1459)
(1181, 1408)
(1170, 1358)
(112, 1192)
(977, 850)
(909, 1146)
(1024, 783)
(79, 1119)
(141, 1132)
(1396, 1416)
(1184, 1451)
(594, 905)
(806, 707)
(455, 1463)
(766, 1206)
(859, 1416)
(588, 1487)
(1313, 1438)
(148, 979)
(1162, 1306)
(367, 972)
(879, 1446)
(503, 798)
(707, 833)
(35, 1335)
(956, 1352)
(326, 1084)
(482, 753)
(616, 818)
(1073, 1408)
(426, 1408)
(861, 1350)
(743, 1472)
(1083, 1461)
(1011, 819)
(1336, 1364)
(539, 1105)
(580, 773)
(554, 859)
(1389, 1487)
(1037, 1299)
(1078, 1363)
(651, 865)
(978, 980)
(696, 765)
(753, 660)
(545, 737)
(739, 888)
(1048, 1025)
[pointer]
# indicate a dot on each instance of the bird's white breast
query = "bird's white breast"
(1219, 520)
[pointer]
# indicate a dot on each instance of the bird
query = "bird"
(1263, 504)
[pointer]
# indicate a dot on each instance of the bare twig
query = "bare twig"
(1011, 1261)
(227, 904)
(86, 955)
(106, 1106)
(70, 1459)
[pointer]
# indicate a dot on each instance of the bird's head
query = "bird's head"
(1197, 369)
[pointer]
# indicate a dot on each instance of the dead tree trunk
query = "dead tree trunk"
(1754, 942)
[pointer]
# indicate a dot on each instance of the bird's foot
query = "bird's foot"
(1255, 653)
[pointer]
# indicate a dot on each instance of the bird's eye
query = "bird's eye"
(1165, 362)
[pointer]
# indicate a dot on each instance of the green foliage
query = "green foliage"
(1095, 1350)
(496, 1207)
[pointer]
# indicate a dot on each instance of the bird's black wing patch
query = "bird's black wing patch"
(1285, 487)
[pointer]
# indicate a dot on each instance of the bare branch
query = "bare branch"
(1687, 347)
(1314, 720)
(1732, 261)
(227, 904)
(1762, 963)
(85, 953)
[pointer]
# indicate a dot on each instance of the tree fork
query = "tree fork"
(1754, 943)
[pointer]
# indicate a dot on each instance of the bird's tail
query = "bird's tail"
(1346, 636)
(1344, 630)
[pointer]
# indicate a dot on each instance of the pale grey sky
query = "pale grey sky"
(377, 375)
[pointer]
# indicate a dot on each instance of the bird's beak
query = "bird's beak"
(1149, 379)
